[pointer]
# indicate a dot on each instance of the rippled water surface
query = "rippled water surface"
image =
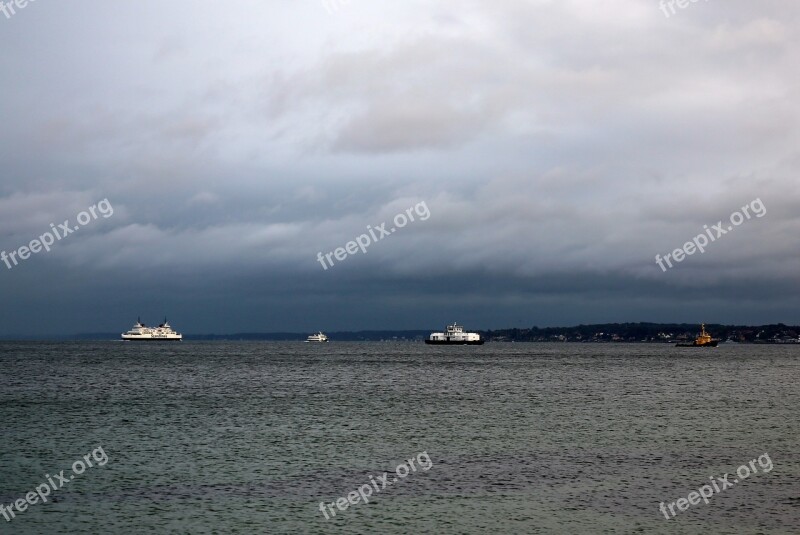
(523, 438)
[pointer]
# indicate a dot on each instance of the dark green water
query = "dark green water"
(524, 438)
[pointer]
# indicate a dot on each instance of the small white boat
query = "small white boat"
(319, 337)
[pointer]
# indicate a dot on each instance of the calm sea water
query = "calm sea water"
(524, 438)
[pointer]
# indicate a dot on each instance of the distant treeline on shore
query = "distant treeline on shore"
(648, 332)
(599, 333)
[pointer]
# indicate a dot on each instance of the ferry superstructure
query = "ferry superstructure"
(454, 335)
(142, 333)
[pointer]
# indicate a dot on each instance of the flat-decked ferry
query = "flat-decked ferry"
(454, 335)
(142, 333)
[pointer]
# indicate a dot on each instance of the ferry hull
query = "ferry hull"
(454, 343)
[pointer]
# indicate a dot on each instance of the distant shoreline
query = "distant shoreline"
(658, 333)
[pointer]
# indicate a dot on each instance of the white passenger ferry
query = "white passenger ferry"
(319, 337)
(162, 333)
(454, 335)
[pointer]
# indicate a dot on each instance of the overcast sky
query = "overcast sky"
(557, 145)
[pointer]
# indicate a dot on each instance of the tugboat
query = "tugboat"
(319, 337)
(703, 340)
(454, 335)
(143, 333)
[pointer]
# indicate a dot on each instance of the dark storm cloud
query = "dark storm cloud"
(559, 146)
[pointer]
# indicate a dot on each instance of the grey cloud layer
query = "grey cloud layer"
(569, 138)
